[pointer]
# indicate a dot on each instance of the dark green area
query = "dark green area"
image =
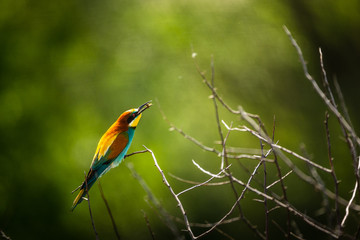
(69, 69)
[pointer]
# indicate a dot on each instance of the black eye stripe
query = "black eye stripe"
(131, 117)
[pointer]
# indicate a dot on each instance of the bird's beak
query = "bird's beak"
(144, 107)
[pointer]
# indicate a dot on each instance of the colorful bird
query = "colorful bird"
(111, 148)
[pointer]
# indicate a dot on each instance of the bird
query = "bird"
(111, 148)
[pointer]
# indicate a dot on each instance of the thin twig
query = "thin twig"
(279, 180)
(163, 214)
(76, 188)
(283, 188)
(109, 210)
(224, 234)
(196, 183)
(229, 175)
(91, 216)
(211, 88)
(148, 224)
(235, 204)
(300, 173)
(283, 204)
(224, 158)
(207, 225)
(292, 209)
(318, 90)
(347, 117)
(276, 146)
(206, 172)
(204, 183)
(204, 147)
(4, 236)
(187, 223)
(325, 79)
(291, 233)
(296, 229)
(316, 176)
(173, 127)
(260, 183)
(350, 141)
(265, 190)
(351, 199)
(250, 179)
(344, 123)
(336, 183)
(342, 102)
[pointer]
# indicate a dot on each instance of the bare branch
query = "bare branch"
(301, 174)
(292, 209)
(234, 205)
(276, 146)
(206, 148)
(187, 223)
(286, 205)
(319, 91)
(269, 197)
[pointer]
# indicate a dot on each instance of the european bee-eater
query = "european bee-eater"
(111, 148)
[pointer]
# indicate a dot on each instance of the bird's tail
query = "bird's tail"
(78, 198)
(85, 187)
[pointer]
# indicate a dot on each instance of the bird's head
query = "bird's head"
(132, 117)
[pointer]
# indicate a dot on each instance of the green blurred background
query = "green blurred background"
(68, 69)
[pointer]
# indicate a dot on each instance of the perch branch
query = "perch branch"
(165, 181)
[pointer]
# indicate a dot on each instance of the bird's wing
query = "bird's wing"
(109, 147)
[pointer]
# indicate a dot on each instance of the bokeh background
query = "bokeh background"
(68, 69)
